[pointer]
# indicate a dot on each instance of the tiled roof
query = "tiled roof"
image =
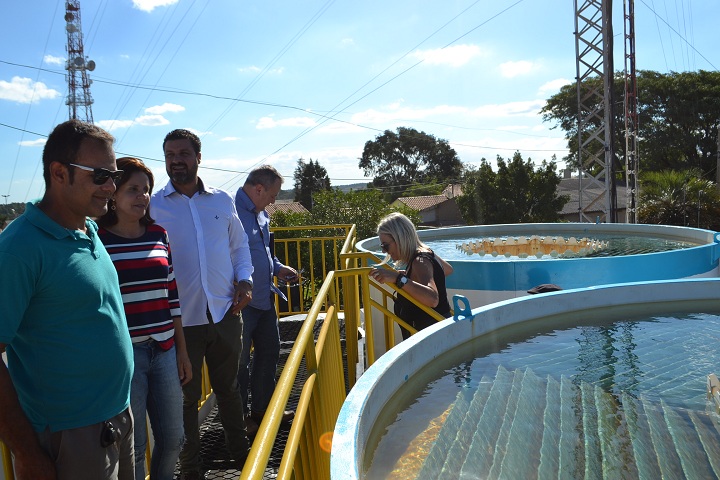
(286, 207)
(453, 190)
(569, 186)
(424, 202)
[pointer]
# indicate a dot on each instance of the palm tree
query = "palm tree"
(683, 198)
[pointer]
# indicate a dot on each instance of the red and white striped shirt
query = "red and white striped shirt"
(147, 283)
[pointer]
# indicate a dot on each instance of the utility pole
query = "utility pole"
(717, 166)
(6, 197)
(631, 115)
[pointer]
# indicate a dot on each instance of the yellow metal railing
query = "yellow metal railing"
(313, 251)
(306, 454)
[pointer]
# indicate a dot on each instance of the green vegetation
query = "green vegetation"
(516, 193)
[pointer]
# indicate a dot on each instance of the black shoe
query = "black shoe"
(251, 426)
(287, 417)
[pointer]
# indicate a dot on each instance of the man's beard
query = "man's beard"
(181, 177)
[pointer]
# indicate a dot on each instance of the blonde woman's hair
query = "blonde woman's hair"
(403, 233)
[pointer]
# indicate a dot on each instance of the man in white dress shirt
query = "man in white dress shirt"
(213, 270)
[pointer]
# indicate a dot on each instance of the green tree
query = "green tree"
(408, 157)
(678, 119)
(364, 208)
(309, 177)
(682, 198)
(516, 193)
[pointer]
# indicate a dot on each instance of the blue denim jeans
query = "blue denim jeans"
(260, 329)
(156, 390)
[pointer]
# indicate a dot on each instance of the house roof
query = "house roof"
(569, 186)
(422, 203)
(453, 190)
(286, 207)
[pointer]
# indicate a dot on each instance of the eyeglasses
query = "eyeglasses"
(384, 247)
(100, 175)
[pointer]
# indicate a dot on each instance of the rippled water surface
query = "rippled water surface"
(617, 400)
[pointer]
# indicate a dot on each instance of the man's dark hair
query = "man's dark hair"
(265, 175)
(64, 143)
(181, 134)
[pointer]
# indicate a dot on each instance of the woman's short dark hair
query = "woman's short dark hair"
(129, 166)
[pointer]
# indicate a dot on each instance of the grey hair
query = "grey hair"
(265, 175)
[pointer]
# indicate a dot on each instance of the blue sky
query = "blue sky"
(257, 80)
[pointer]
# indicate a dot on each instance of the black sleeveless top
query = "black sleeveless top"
(410, 312)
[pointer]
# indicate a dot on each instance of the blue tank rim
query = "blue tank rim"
(519, 275)
(704, 238)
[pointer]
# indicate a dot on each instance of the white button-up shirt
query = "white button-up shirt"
(210, 249)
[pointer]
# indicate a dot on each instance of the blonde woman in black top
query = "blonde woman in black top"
(418, 271)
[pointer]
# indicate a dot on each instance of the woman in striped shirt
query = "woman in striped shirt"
(140, 252)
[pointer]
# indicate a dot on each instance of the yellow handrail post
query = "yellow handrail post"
(6, 460)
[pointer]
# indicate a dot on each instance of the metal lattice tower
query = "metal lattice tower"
(631, 114)
(79, 100)
(593, 48)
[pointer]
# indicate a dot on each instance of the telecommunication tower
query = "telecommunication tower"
(79, 100)
(631, 114)
(594, 47)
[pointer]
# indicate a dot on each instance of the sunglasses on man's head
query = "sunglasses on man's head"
(384, 247)
(100, 175)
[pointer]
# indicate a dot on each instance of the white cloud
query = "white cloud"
(268, 122)
(553, 86)
(230, 139)
(150, 5)
(24, 90)
(511, 109)
(33, 143)
(164, 108)
(395, 112)
(514, 69)
(254, 69)
(347, 42)
(152, 120)
(111, 125)
(49, 59)
(455, 56)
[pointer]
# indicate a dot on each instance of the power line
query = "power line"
(679, 35)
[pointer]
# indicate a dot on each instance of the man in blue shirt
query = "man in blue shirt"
(65, 392)
(260, 321)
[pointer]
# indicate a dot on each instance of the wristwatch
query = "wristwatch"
(401, 280)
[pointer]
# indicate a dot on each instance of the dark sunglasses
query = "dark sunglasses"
(384, 247)
(100, 175)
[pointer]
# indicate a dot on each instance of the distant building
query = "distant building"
(285, 207)
(570, 212)
(436, 210)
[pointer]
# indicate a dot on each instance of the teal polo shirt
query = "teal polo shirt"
(61, 315)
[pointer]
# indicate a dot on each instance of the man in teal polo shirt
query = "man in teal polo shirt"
(64, 394)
